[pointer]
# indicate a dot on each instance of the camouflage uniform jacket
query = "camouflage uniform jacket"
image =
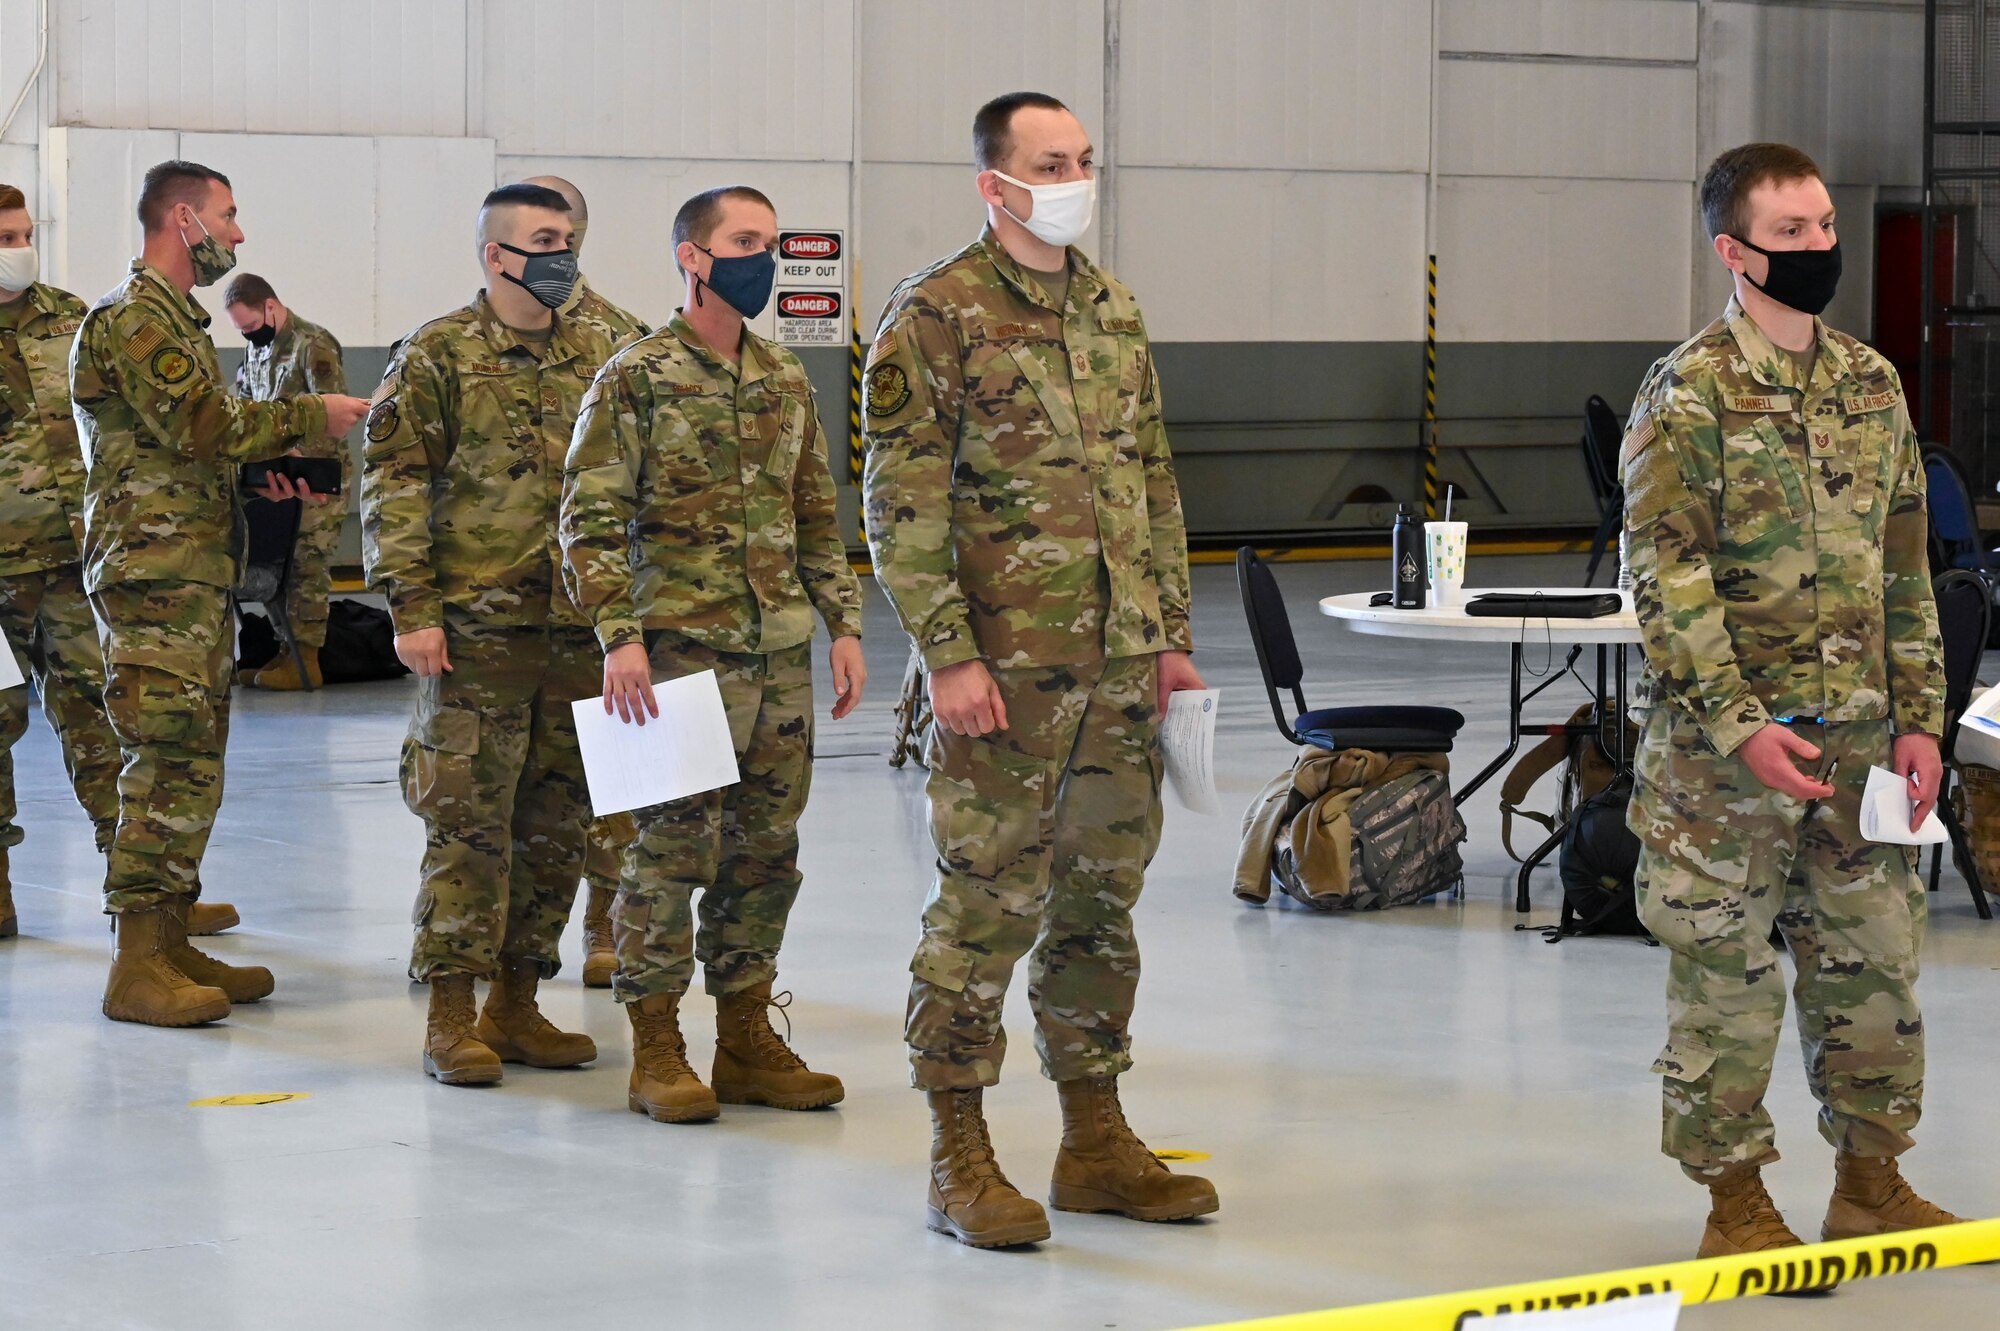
(41, 468)
(1777, 537)
(302, 358)
(462, 471)
(587, 306)
(698, 498)
(1020, 498)
(163, 438)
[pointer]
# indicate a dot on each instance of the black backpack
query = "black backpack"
(1599, 865)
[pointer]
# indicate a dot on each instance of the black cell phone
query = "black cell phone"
(322, 474)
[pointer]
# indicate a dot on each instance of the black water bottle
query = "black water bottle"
(1406, 550)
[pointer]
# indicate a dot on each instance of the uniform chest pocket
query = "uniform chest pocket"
(494, 435)
(787, 421)
(1760, 484)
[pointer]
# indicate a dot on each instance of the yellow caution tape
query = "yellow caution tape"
(255, 1098)
(1708, 1280)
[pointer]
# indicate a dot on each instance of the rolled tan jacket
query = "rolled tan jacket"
(1306, 809)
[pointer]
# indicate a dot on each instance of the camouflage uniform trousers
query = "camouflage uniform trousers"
(311, 583)
(1043, 834)
(169, 652)
(1723, 859)
(739, 846)
(492, 767)
(47, 619)
(604, 851)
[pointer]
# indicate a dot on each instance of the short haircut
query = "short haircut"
(697, 219)
(247, 289)
(993, 125)
(11, 198)
(1725, 189)
(502, 201)
(171, 184)
(579, 208)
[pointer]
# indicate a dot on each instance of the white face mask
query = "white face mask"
(19, 268)
(1061, 213)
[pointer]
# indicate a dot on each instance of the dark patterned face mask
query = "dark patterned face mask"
(1805, 280)
(549, 275)
(212, 259)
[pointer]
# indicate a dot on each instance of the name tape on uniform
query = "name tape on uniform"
(1702, 1280)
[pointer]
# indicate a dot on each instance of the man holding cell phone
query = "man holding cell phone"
(1775, 525)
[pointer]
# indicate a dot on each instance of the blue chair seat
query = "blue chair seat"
(1385, 729)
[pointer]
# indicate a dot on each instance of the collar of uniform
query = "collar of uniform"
(1775, 368)
(756, 360)
(1017, 276)
(503, 339)
(41, 297)
(575, 301)
(281, 345)
(180, 300)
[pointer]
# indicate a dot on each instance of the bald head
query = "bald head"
(579, 211)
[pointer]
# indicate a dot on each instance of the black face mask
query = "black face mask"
(549, 276)
(1804, 280)
(262, 337)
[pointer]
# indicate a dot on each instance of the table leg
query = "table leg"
(1514, 705)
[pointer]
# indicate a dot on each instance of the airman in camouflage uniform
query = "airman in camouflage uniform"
(43, 610)
(699, 523)
(604, 850)
(162, 547)
(461, 479)
(1776, 528)
(1023, 513)
(301, 357)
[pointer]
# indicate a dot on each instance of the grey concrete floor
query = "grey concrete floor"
(1411, 1102)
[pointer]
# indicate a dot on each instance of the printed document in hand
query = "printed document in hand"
(683, 751)
(1646, 1312)
(10, 669)
(1886, 807)
(1187, 741)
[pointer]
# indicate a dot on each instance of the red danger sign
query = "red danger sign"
(809, 245)
(809, 305)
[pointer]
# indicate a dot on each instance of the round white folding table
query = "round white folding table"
(1610, 634)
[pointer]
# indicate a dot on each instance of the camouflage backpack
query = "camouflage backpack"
(1406, 836)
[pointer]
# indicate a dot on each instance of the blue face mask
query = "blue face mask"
(743, 282)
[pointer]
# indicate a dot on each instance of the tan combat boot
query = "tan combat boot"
(1742, 1218)
(1103, 1166)
(145, 986)
(600, 959)
(1870, 1197)
(10, 924)
(243, 984)
(452, 1053)
(970, 1199)
(753, 1066)
(207, 918)
(283, 675)
(514, 1028)
(664, 1087)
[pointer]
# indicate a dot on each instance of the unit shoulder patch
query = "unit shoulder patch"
(171, 365)
(382, 420)
(888, 390)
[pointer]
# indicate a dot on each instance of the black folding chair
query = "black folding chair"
(271, 537)
(1965, 614)
(1386, 728)
(1602, 440)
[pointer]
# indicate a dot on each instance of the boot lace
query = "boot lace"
(661, 1048)
(457, 1014)
(974, 1156)
(1118, 1134)
(1752, 1217)
(764, 1040)
(597, 935)
(1887, 1192)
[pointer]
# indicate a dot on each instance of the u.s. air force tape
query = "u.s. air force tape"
(1708, 1280)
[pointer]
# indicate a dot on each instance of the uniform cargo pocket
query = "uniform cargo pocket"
(437, 762)
(1684, 1060)
(943, 965)
(983, 824)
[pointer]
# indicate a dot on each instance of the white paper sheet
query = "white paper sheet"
(683, 751)
(1886, 807)
(1187, 740)
(10, 669)
(1645, 1312)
